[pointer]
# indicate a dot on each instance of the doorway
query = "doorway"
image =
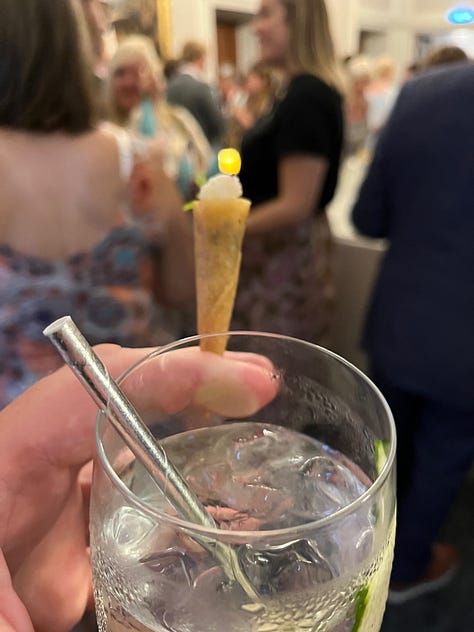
(237, 49)
(372, 43)
(226, 44)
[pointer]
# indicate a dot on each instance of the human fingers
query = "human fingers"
(235, 385)
(251, 358)
(56, 432)
(13, 614)
(85, 482)
(58, 416)
(55, 578)
(48, 432)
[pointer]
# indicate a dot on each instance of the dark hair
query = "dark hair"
(445, 55)
(171, 68)
(45, 81)
(414, 67)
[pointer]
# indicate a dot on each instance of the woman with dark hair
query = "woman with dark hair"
(69, 241)
(44, 80)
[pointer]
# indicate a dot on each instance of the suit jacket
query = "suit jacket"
(419, 194)
(196, 96)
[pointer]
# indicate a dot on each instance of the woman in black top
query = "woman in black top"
(290, 164)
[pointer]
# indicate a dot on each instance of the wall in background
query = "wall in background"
(395, 25)
(196, 20)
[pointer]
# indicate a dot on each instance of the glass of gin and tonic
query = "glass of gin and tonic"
(303, 492)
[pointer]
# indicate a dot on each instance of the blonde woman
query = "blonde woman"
(290, 164)
(136, 95)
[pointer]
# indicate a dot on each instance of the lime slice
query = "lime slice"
(360, 607)
(370, 599)
(382, 448)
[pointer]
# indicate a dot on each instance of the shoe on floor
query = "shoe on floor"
(440, 572)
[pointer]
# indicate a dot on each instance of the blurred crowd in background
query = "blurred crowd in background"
(94, 183)
(154, 96)
(238, 98)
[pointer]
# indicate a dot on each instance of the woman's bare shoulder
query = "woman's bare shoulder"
(67, 176)
(25, 146)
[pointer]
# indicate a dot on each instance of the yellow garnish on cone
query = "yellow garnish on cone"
(229, 161)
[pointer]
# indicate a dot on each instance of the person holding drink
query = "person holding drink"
(45, 490)
(290, 520)
(287, 452)
(46, 437)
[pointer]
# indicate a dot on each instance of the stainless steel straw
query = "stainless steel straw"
(80, 357)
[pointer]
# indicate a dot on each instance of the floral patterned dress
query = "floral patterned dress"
(286, 282)
(107, 291)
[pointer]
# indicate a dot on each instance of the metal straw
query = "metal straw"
(80, 357)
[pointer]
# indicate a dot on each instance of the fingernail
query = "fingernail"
(229, 400)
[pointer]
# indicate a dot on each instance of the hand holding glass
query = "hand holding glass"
(303, 491)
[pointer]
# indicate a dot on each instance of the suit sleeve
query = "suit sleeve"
(215, 119)
(372, 210)
(370, 214)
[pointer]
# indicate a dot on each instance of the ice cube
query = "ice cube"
(266, 450)
(173, 563)
(249, 468)
(213, 605)
(167, 578)
(325, 487)
(352, 539)
(128, 530)
(295, 566)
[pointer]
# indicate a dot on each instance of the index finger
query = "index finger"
(57, 416)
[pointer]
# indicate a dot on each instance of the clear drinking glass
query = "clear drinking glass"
(303, 491)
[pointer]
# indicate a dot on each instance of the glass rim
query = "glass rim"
(216, 532)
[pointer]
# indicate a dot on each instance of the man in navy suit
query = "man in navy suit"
(419, 195)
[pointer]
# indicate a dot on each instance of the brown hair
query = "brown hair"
(192, 51)
(445, 55)
(45, 83)
(271, 85)
(311, 44)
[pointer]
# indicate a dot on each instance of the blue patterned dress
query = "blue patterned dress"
(107, 291)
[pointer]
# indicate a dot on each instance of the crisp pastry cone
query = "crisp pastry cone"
(219, 227)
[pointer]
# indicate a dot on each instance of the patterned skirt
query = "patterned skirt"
(286, 283)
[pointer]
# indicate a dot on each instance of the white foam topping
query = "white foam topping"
(221, 187)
